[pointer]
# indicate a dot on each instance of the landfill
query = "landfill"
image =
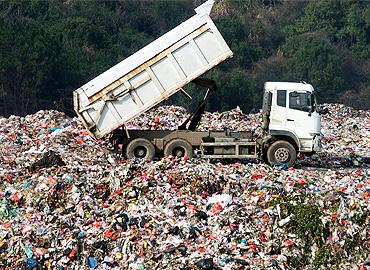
(68, 201)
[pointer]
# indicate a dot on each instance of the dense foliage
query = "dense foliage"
(50, 48)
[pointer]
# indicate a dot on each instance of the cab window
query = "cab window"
(300, 101)
(281, 98)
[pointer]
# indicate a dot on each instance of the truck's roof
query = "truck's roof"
(288, 86)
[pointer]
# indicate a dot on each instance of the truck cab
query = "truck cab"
(290, 114)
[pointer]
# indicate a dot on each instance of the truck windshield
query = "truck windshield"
(303, 101)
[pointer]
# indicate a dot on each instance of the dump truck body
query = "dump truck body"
(152, 74)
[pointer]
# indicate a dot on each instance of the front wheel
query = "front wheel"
(281, 152)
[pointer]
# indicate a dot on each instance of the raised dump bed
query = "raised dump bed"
(152, 74)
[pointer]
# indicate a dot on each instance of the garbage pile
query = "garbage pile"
(68, 202)
(160, 118)
(346, 135)
(170, 117)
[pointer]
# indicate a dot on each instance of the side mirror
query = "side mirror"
(322, 110)
(310, 110)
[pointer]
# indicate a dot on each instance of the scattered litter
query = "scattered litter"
(82, 207)
(49, 159)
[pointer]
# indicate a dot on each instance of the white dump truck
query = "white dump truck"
(291, 121)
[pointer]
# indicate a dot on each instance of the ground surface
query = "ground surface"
(93, 210)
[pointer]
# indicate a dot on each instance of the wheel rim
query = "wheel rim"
(282, 155)
(178, 152)
(140, 152)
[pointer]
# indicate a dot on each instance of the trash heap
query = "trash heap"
(234, 120)
(68, 202)
(170, 117)
(345, 138)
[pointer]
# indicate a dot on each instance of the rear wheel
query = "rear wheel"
(178, 148)
(140, 148)
(281, 152)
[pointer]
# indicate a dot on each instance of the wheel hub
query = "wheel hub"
(178, 152)
(282, 155)
(140, 152)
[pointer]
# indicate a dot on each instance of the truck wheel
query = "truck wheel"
(281, 152)
(140, 148)
(178, 148)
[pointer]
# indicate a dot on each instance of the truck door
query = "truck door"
(302, 118)
(278, 112)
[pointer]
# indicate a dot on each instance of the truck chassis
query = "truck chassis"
(179, 143)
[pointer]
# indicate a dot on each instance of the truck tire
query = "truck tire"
(140, 148)
(281, 152)
(178, 148)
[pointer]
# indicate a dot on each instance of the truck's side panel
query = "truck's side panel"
(151, 75)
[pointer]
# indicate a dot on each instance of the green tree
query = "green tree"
(312, 58)
(355, 33)
(50, 48)
(329, 46)
(25, 56)
(235, 88)
(345, 23)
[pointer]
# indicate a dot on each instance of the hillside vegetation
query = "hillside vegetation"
(50, 48)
